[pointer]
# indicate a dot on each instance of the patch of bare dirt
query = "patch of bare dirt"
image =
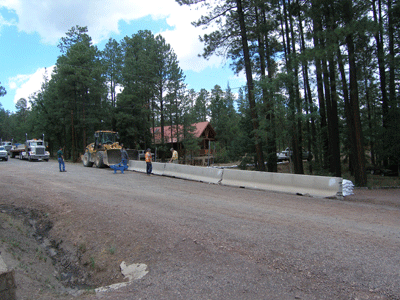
(42, 269)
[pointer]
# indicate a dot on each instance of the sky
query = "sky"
(30, 31)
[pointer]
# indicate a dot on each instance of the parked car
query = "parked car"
(281, 156)
(287, 154)
(3, 154)
(7, 146)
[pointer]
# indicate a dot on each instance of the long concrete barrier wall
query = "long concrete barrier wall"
(209, 175)
(158, 168)
(317, 186)
(140, 166)
(137, 166)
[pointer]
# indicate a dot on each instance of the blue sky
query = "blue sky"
(30, 31)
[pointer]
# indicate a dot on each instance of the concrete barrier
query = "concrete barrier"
(140, 166)
(137, 165)
(7, 282)
(209, 175)
(317, 186)
(158, 168)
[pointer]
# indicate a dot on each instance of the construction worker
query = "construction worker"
(174, 157)
(148, 158)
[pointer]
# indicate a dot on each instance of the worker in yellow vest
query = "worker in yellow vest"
(174, 157)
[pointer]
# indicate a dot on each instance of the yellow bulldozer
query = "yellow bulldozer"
(105, 151)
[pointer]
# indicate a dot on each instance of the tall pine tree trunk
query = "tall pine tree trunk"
(298, 137)
(327, 92)
(369, 115)
(347, 110)
(271, 137)
(359, 155)
(334, 140)
(392, 66)
(311, 132)
(271, 146)
(381, 64)
(293, 102)
(320, 88)
(250, 86)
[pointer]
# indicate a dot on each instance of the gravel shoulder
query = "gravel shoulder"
(66, 234)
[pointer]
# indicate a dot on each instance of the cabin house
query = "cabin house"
(174, 136)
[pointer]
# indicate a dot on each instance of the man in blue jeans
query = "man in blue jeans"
(124, 156)
(148, 159)
(60, 156)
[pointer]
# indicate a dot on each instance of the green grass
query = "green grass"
(111, 250)
(92, 263)
(40, 255)
(82, 247)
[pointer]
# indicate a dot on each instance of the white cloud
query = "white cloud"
(52, 19)
(26, 85)
(4, 22)
(184, 39)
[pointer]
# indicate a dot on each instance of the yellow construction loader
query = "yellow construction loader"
(105, 151)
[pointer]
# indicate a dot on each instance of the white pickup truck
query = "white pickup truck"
(3, 153)
(287, 154)
(7, 146)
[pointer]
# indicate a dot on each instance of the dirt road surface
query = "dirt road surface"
(66, 234)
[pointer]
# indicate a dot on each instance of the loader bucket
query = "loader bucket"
(113, 157)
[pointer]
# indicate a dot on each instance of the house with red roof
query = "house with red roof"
(175, 135)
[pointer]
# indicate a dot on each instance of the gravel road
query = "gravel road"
(198, 241)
